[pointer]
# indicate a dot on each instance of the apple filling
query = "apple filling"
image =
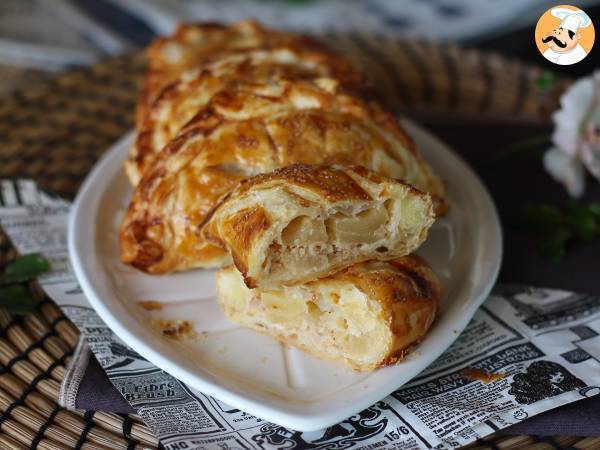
(334, 321)
(313, 244)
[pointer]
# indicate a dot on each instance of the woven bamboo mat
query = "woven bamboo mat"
(13, 77)
(53, 132)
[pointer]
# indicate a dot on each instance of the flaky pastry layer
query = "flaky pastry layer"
(180, 100)
(304, 222)
(192, 45)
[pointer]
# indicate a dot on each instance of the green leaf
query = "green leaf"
(539, 218)
(595, 209)
(546, 81)
(25, 268)
(17, 299)
(554, 243)
(555, 228)
(583, 222)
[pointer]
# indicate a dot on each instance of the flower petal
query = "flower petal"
(566, 133)
(574, 103)
(566, 170)
(577, 98)
(591, 159)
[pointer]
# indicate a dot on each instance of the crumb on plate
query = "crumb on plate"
(175, 329)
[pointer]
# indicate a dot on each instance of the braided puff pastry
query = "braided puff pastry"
(181, 100)
(302, 222)
(193, 44)
(368, 315)
(252, 128)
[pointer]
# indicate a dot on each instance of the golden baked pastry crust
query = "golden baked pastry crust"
(193, 44)
(304, 222)
(250, 128)
(182, 99)
(368, 315)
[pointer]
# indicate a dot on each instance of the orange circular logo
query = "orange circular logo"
(564, 35)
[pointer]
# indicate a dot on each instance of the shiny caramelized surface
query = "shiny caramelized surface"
(332, 184)
(193, 44)
(180, 101)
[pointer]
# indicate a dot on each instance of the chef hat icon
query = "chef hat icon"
(571, 19)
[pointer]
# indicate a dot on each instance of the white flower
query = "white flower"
(566, 170)
(576, 136)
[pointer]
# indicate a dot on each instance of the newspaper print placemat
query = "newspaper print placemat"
(527, 350)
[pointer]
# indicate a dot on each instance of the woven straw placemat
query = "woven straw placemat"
(54, 131)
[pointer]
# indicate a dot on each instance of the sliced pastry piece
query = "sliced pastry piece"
(368, 315)
(304, 222)
(249, 129)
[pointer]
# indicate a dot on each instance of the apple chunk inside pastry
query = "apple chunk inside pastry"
(367, 315)
(304, 222)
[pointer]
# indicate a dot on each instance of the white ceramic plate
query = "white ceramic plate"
(250, 371)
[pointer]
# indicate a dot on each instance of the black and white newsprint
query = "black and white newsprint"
(527, 350)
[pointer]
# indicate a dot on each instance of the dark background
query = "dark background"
(517, 180)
